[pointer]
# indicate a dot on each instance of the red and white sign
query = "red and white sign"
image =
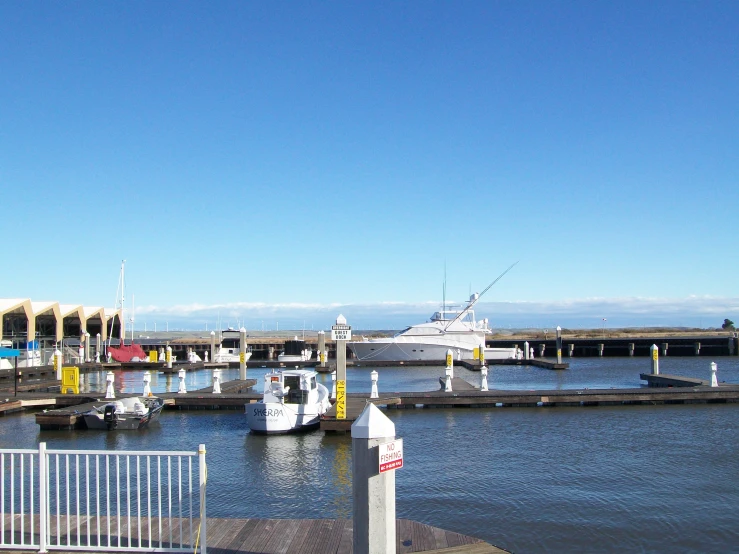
(391, 455)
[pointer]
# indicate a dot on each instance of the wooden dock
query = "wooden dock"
(253, 536)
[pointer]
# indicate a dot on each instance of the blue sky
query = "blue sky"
(285, 160)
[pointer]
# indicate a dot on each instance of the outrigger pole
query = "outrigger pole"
(472, 303)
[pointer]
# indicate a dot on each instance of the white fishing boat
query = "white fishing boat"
(123, 414)
(229, 348)
(448, 329)
(295, 351)
(292, 401)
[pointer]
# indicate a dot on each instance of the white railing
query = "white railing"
(103, 500)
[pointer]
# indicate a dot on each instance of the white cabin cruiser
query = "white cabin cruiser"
(295, 351)
(292, 401)
(230, 355)
(448, 329)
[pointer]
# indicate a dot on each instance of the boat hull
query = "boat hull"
(275, 417)
(369, 351)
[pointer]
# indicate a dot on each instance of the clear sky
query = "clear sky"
(317, 156)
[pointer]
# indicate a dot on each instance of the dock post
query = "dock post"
(203, 474)
(168, 356)
(109, 390)
(714, 380)
(526, 352)
(697, 347)
(182, 389)
(341, 332)
(212, 346)
(373, 493)
(321, 348)
(570, 350)
(81, 349)
(242, 355)
(482, 354)
(601, 346)
(631, 349)
(57, 357)
(484, 378)
(655, 359)
(333, 385)
(97, 348)
(450, 363)
(559, 344)
(147, 380)
(87, 347)
(374, 393)
(216, 381)
(664, 348)
(542, 348)
(448, 382)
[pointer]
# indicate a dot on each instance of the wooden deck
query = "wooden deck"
(256, 536)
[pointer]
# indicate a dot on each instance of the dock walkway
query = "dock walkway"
(266, 536)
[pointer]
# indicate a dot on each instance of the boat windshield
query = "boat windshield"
(402, 332)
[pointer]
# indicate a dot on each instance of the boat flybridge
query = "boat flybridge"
(292, 401)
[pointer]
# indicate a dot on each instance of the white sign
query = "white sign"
(341, 332)
(391, 455)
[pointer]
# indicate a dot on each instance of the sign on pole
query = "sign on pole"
(341, 399)
(391, 455)
(341, 331)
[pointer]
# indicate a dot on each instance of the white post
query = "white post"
(526, 352)
(559, 344)
(81, 349)
(43, 507)
(213, 346)
(147, 380)
(181, 376)
(87, 346)
(206, 356)
(333, 385)
(242, 355)
(203, 518)
(482, 354)
(97, 348)
(162, 357)
(373, 493)
(373, 376)
(450, 362)
(169, 357)
(714, 380)
(448, 385)
(216, 381)
(655, 359)
(58, 363)
(109, 390)
(484, 382)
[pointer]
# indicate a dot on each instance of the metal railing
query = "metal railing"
(69, 500)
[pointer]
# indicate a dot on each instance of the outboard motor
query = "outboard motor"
(109, 416)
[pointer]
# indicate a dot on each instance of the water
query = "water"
(648, 479)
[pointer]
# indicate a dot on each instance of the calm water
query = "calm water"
(647, 479)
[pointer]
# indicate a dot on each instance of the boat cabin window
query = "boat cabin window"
(292, 381)
(295, 395)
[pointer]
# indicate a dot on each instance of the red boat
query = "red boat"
(127, 352)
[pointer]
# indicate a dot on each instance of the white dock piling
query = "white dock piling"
(110, 390)
(714, 380)
(182, 389)
(87, 347)
(373, 393)
(526, 352)
(147, 380)
(169, 357)
(97, 348)
(373, 492)
(58, 364)
(216, 381)
(242, 355)
(655, 359)
(213, 346)
(450, 362)
(484, 379)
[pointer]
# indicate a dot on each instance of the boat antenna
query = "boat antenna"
(472, 302)
(443, 294)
